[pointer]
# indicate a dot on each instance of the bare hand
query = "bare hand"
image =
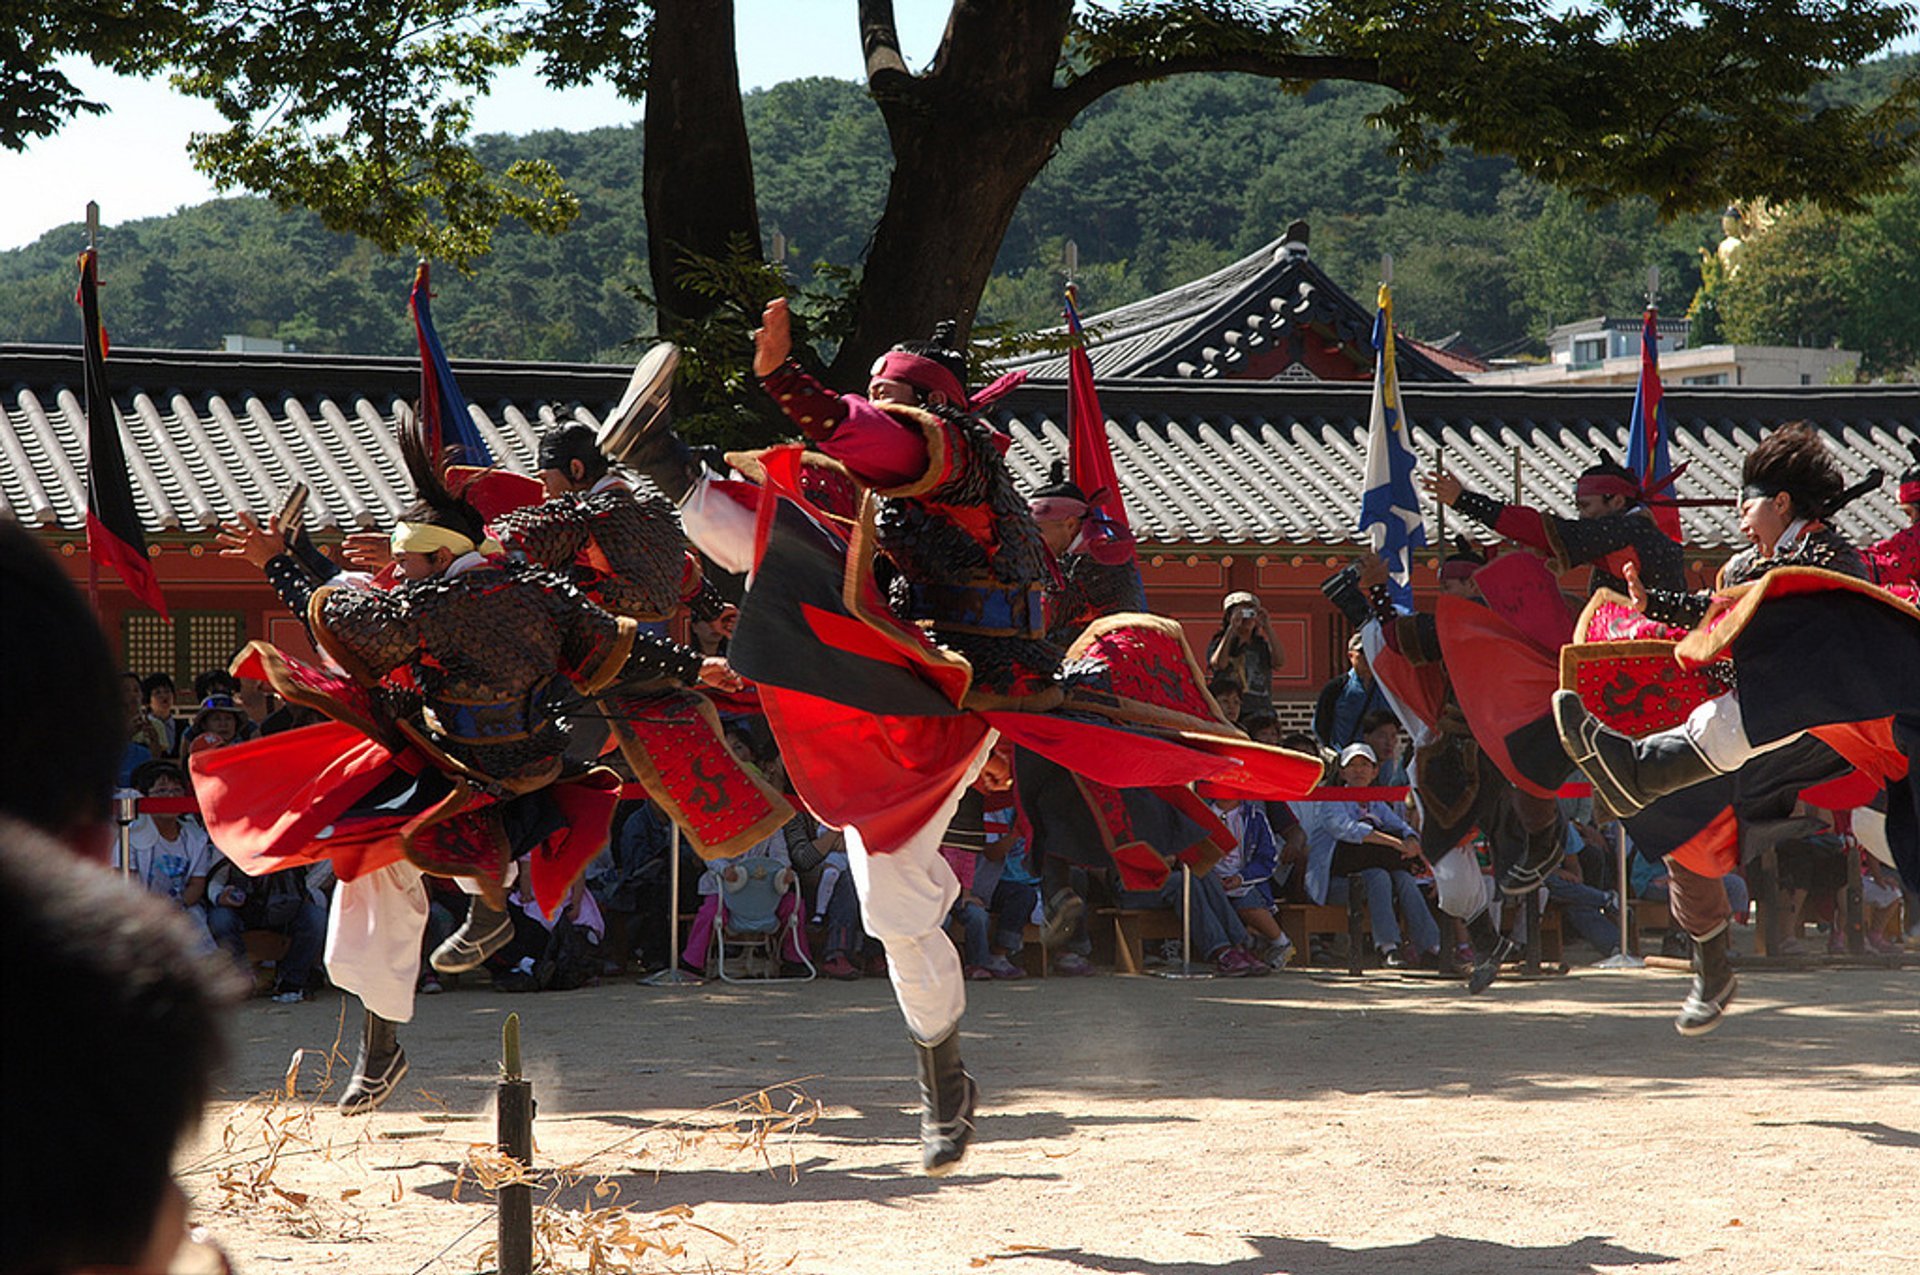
(244, 537)
(1636, 588)
(997, 774)
(727, 621)
(1410, 847)
(1442, 486)
(773, 339)
(368, 550)
(716, 673)
(1373, 570)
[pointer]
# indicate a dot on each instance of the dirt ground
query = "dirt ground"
(1304, 1122)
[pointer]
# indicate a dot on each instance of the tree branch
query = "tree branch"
(1072, 98)
(880, 43)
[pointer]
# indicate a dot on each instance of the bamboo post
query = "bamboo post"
(515, 1131)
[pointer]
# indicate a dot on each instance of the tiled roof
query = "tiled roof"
(1244, 314)
(1240, 463)
(1224, 463)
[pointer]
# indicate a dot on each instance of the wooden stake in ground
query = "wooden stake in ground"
(515, 1109)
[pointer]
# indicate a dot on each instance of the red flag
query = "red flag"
(1089, 459)
(114, 537)
(1647, 433)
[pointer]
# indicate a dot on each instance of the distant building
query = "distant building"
(1606, 351)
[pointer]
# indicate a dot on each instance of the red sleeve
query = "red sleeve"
(1895, 560)
(876, 448)
(1526, 525)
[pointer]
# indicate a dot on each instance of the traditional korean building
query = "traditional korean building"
(1232, 483)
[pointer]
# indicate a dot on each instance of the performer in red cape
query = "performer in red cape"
(1461, 784)
(1894, 562)
(894, 647)
(1615, 528)
(1097, 573)
(441, 758)
(1820, 656)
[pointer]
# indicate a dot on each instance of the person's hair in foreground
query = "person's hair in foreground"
(120, 1033)
(63, 726)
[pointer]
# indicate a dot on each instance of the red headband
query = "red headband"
(1910, 492)
(922, 373)
(1606, 485)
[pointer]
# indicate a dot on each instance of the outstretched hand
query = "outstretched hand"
(1373, 570)
(1442, 486)
(244, 537)
(715, 672)
(368, 550)
(773, 339)
(1636, 588)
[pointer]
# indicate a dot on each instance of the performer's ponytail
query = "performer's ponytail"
(438, 505)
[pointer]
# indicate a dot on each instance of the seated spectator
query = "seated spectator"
(291, 903)
(1225, 690)
(140, 735)
(218, 722)
(549, 953)
(1880, 897)
(1344, 702)
(1813, 871)
(157, 690)
(1380, 731)
(1368, 846)
(1218, 933)
(849, 950)
(962, 846)
(168, 853)
(1590, 912)
(630, 880)
(1063, 930)
(1246, 874)
(133, 1029)
(700, 935)
(446, 909)
(1243, 650)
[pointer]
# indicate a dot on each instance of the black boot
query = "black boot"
(1491, 950)
(1544, 852)
(378, 1069)
(947, 1098)
(1628, 775)
(1714, 983)
(485, 931)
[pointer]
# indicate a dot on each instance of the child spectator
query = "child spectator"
(1225, 689)
(1380, 731)
(218, 722)
(141, 739)
(169, 854)
(291, 903)
(1246, 874)
(549, 953)
(961, 846)
(157, 690)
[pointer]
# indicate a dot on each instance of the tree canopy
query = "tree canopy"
(359, 110)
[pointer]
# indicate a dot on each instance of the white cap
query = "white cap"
(1352, 751)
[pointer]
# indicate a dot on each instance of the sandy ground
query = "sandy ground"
(1297, 1123)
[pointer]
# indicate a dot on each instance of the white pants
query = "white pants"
(1720, 733)
(904, 900)
(373, 938)
(718, 525)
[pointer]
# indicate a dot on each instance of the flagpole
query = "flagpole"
(93, 563)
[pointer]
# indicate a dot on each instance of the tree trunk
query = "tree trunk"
(698, 170)
(968, 135)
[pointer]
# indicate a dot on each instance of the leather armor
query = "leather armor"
(624, 551)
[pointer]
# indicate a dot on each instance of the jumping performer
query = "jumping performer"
(442, 756)
(893, 648)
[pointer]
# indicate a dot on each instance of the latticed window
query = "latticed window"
(191, 643)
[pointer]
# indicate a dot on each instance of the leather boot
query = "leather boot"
(378, 1069)
(947, 1098)
(1714, 983)
(486, 930)
(1544, 852)
(1628, 775)
(1491, 950)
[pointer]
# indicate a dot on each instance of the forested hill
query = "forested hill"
(1156, 184)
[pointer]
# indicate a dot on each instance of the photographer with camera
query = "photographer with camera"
(1244, 649)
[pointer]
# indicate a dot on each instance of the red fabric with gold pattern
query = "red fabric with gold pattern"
(674, 744)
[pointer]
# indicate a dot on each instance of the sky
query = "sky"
(133, 160)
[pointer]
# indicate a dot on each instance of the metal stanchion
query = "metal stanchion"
(1186, 969)
(514, 1129)
(125, 811)
(1624, 959)
(673, 975)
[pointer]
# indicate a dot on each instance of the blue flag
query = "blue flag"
(1647, 432)
(443, 410)
(1389, 506)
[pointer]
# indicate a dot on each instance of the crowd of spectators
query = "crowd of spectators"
(1322, 852)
